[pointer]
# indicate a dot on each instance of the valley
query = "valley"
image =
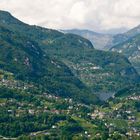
(57, 85)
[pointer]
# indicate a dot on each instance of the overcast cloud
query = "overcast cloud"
(96, 15)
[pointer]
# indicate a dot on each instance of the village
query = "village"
(111, 116)
(119, 116)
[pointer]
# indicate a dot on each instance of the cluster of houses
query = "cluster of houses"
(14, 84)
(72, 109)
(136, 98)
(98, 114)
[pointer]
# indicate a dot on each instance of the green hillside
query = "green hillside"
(131, 49)
(99, 70)
(129, 91)
(23, 57)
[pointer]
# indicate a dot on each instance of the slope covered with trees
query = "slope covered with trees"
(131, 49)
(23, 56)
(99, 70)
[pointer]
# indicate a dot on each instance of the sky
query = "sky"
(96, 15)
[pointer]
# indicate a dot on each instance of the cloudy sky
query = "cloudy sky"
(97, 15)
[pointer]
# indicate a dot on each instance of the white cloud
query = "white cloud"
(92, 14)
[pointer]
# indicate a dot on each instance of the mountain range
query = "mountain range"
(63, 64)
(58, 85)
(21, 54)
(100, 41)
(126, 43)
(105, 41)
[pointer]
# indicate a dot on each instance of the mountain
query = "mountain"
(21, 54)
(59, 58)
(133, 32)
(131, 49)
(129, 45)
(105, 41)
(100, 41)
(120, 38)
(99, 70)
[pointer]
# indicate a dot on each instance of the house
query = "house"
(98, 114)
(54, 126)
(31, 111)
